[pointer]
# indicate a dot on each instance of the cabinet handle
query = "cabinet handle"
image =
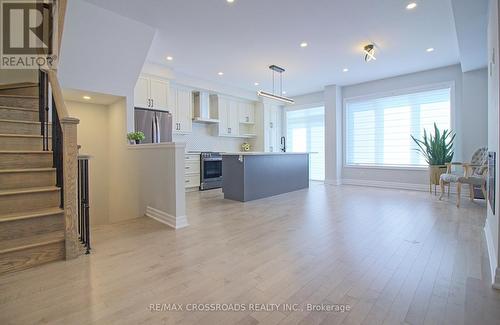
(248, 119)
(187, 180)
(271, 125)
(152, 102)
(271, 148)
(187, 167)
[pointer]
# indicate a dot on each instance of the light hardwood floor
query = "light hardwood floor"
(395, 257)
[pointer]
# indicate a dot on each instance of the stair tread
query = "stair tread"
(19, 96)
(26, 170)
(29, 215)
(19, 108)
(14, 135)
(26, 151)
(18, 85)
(21, 121)
(12, 245)
(29, 190)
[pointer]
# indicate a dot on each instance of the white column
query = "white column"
(333, 135)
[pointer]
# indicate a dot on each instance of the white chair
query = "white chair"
(474, 174)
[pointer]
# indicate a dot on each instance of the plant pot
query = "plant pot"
(137, 141)
(435, 173)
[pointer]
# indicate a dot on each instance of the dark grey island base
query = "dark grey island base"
(250, 176)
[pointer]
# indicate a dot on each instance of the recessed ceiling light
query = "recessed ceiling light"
(411, 5)
(430, 49)
(169, 58)
(303, 44)
(345, 69)
(220, 73)
(87, 97)
(255, 83)
(230, 1)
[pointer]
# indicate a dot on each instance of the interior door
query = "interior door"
(158, 90)
(141, 93)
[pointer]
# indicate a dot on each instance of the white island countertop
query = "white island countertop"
(260, 153)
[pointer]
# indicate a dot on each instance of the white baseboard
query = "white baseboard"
(404, 186)
(383, 184)
(333, 182)
(165, 218)
(495, 271)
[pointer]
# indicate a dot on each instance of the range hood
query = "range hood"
(201, 105)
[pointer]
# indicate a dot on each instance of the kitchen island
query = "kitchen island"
(254, 175)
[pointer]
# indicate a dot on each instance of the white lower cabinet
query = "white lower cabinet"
(192, 172)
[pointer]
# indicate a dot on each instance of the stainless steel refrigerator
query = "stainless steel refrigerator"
(156, 125)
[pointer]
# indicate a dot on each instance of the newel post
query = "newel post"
(70, 167)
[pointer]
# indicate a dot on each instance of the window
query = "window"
(306, 132)
(378, 130)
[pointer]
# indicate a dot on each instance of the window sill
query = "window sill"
(387, 167)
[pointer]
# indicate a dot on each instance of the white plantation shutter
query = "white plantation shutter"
(378, 130)
(306, 133)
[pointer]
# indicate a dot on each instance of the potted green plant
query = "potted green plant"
(136, 137)
(437, 150)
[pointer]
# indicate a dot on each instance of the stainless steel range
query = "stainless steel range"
(211, 170)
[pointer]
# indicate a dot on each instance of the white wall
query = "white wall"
(469, 118)
(126, 180)
(102, 52)
(92, 136)
(474, 111)
(492, 225)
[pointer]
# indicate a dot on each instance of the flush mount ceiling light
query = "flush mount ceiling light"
(255, 83)
(169, 58)
(262, 93)
(230, 1)
(345, 70)
(304, 44)
(411, 5)
(430, 49)
(369, 52)
(220, 73)
(87, 97)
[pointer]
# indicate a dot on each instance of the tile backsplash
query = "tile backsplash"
(203, 139)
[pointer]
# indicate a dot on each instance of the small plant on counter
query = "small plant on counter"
(136, 137)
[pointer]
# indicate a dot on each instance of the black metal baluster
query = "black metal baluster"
(57, 143)
(87, 206)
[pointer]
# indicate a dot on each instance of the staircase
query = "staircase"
(32, 225)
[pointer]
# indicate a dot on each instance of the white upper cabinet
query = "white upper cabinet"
(150, 92)
(159, 90)
(141, 93)
(227, 114)
(247, 113)
(182, 110)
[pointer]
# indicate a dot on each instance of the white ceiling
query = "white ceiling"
(242, 39)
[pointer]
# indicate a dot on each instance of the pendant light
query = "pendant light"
(275, 69)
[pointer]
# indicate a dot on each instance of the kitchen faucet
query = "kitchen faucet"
(283, 144)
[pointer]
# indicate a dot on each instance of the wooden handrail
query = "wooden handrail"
(61, 12)
(62, 111)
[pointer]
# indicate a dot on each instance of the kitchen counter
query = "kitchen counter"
(259, 153)
(249, 176)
